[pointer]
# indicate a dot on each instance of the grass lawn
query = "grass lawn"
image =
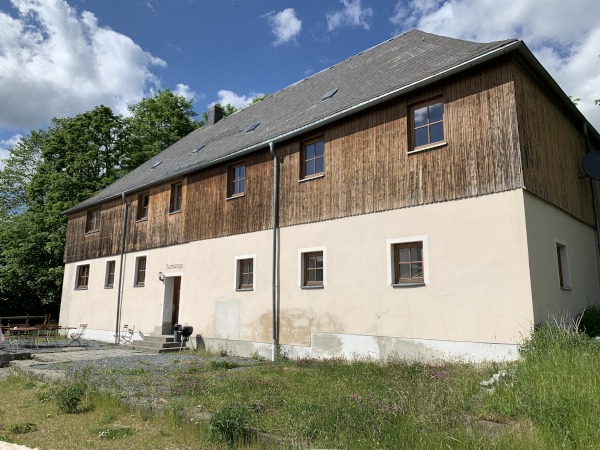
(548, 400)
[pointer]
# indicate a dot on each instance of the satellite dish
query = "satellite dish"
(591, 164)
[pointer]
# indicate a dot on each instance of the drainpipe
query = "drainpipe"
(120, 290)
(275, 243)
(588, 148)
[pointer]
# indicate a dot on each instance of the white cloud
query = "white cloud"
(564, 36)
(6, 145)
(185, 91)
(284, 25)
(239, 101)
(353, 14)
(55, 62)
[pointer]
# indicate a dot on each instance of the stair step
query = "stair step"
(159, 338)
(146, 349)
(156, 344)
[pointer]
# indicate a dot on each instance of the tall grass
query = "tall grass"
(556, 386)
(548, 400)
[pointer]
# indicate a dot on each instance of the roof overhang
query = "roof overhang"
(516, 46)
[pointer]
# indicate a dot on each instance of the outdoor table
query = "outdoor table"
(18, 334)
(52, 333)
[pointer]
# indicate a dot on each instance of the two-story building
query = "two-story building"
(424, 198)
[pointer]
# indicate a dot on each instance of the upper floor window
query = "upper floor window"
(92, 221)
(140, 271)
(313, 158)
(236, 180)
(427, 124)
(142, 206)
(83, 277)
(176, 197)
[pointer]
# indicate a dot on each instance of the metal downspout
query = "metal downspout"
(275, 243)
(120, 290)
(588, 148)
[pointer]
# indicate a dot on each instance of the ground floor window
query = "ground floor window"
(407, 261)
(564, 275)
(109, 281)
(312, 267)
(140, 271)
(83, 276)
(244, 273)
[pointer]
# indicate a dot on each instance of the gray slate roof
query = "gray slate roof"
(386, 70)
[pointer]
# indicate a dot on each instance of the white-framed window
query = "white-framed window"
(109, 278)
(83, 277)
(139, 279)
(312, 267)
(562, 260)
(244, 273)
(407, 261)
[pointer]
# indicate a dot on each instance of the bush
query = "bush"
(221, 364)
(590, 321)
(23, 428)
(228, 425)
(69, 398)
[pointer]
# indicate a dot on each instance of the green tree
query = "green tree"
(50, 171)
(47, 173)
(157, 123)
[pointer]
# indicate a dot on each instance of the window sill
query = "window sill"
(174, 212)
(312, 287)
(428, 147)
(232, 197)
(81, 288)
(138, 285)
(109, 287)
(402, 285)
(142, 219)
(92, 231)
(565, 288)
(312, 177)
(244, 289)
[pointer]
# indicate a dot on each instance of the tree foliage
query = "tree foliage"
(50, 171)
(157, 123)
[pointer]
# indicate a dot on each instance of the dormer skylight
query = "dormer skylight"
(196, 150)
(252, 127)
(156, 164)
(327, 95)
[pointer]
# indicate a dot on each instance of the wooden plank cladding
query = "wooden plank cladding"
(368, 168)
(205, 213)
(552, 148)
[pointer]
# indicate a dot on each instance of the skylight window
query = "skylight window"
(327, 95)
(196, 150)
(156, 164)
(252, 127)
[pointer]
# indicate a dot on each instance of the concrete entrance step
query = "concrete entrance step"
(157, 344)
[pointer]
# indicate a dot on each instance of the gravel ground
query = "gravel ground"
(141, 378)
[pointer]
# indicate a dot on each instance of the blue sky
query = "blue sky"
(62, 57)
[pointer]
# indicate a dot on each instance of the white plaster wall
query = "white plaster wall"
(546, 225)
(97, 305)
(478, 289)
